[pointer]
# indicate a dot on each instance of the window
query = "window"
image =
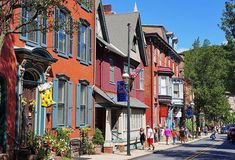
(176, 90)
(62, 36)
(86, 4)
(155, 85)
(169, 61)
(142, 79)
(62, 95)
(83, 104)
(111, 70)
(34, 34)
(61, 103)
(155, 55)
(164, 83)
(84, 42)
(160, 58)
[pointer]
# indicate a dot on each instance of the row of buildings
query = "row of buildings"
(84, 66)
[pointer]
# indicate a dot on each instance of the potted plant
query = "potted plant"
(98, 140)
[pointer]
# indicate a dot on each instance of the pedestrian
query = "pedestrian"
(142, 138)
(205, 130)
(167, 133)
(182, 135)
(156, 134)
(186, 134)
(174, 135)
(150, 136)
(159, 133)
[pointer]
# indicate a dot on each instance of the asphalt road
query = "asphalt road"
(205, 149)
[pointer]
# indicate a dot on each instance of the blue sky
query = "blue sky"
(188, 19)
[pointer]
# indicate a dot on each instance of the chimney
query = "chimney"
(108, 9)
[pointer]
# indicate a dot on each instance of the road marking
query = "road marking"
(199, 152)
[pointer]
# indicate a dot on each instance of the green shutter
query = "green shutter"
(78, 41)
(44, 33)
(55, 107)
(55, 33)
(78, 102)
(89, 106)
(70, 46)
(70, 103)
(89, 45)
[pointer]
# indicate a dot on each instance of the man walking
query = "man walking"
(150, 136)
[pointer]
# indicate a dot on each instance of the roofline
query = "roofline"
(165, 43)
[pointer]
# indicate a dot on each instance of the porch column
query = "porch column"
(108, 145)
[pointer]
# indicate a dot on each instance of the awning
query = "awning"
(111, 47)
(112, 98)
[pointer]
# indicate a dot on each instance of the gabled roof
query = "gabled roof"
(100, 12)
(118, 33)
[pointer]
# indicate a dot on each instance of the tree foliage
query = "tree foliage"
(207, 70)
(10, 20)
(228, 21)
(206, 42)
(228, 26)
(196, 43)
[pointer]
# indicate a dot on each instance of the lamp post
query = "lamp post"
(126, 79)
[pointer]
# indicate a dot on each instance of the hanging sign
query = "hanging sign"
(46, 94)
(121, 91)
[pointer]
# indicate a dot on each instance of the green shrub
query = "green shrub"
(98, 137)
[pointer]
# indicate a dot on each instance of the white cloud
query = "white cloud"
(182, 50)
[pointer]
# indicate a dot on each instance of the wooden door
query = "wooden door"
(27, 114)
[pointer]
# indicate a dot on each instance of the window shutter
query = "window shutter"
(78, 102)
(89, 45)
(55, 107)
(70, 103)
(79, 41)
(70, 47)
(55, 33)
(89, 106)
(23, 19)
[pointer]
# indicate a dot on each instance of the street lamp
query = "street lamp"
(126, 79)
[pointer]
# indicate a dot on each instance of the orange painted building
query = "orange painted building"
(63, 57)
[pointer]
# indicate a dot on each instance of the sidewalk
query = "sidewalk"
(134, 153)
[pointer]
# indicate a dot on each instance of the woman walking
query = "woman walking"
(142, 138)
(150, 136)
(167, 133)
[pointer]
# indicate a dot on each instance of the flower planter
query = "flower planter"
(98, 149)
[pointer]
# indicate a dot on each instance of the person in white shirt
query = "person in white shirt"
(150, 136)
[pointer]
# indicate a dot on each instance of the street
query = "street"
(205, 149)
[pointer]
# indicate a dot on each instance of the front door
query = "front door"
(27, 114)
(3, 125)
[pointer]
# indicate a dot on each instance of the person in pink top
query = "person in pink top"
(167, 133)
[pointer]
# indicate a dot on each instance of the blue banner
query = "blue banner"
(121, 91)
(189, 111)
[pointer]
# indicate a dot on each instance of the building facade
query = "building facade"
(111, 63)
(62, 58)
(164, 90)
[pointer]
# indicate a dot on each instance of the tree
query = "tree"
(207, 70)
(196, 43)
(228, 21)
(12, 10)
(206, 43)
(228, 26)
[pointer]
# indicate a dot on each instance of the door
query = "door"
(27, 114)
(3, 124)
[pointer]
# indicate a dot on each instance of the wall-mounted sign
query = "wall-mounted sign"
(121, 91)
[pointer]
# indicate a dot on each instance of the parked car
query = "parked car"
(224, 130)
(231, 134)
